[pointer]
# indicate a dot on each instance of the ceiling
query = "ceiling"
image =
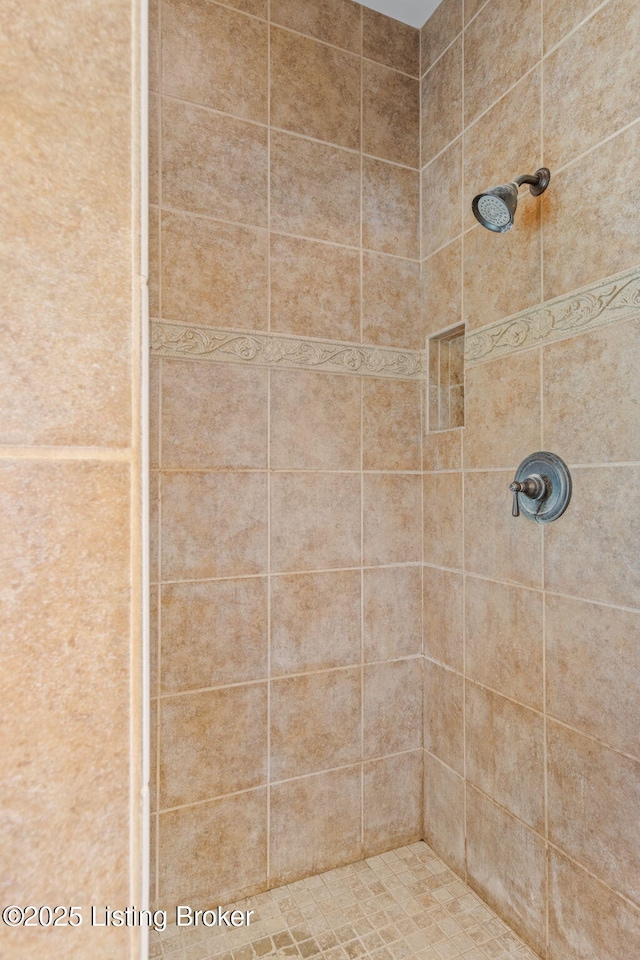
(415, 12)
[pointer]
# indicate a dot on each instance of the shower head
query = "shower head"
(495, 209)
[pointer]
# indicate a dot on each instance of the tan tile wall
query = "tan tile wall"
(70, 551)
(288, 576)
(532, 772)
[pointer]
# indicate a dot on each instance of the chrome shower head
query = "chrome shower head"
(495, 209)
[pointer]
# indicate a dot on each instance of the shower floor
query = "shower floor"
(403, 904)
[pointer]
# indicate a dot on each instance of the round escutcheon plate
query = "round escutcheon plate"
(557, 480)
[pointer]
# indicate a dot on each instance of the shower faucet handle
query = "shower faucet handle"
(541, 487)
(533, 487)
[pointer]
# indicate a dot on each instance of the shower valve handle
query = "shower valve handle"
(533, 487)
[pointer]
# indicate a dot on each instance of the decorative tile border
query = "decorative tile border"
(194, 342)
(616, 298)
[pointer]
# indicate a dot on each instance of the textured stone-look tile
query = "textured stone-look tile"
(391, 425)
(315, 621)
(306, 835)
(65, 678)
(560, 18)
(315, 722)
(444, 715)
(392, 506)
(442, 507)
(602, 56)
(213, 525)
(504, 646)
(392, 707)
(333, 21)
(442, 288)
(391, 302)
(154, 45)
(215, 273)
(505, 753)
(153, 282)
(392, 802)
(315, 89)
(498, 545)
(441, 103)
(502, 411)
(441, 197)
(471, 8)
(315, 421)
(391, 42)
(585, 918)
(392, 613)
(506, 864)
(315, 521)
(154, 413)
(315, 289)
(598, 526)
(154, 634)
(213, 164)
(154, 148)
(211, 743)
(213, 633)
(444, 812)
(592, 395)
(315, 189)
(213, 416)
(574, 254)
(443, 617)
(202, 851)
(390, 209)
(593, 669)
(216, 57)
(442, 450)
(256, 7)
(154, 526)
(442, 27)
(390, 114)
(501, 44)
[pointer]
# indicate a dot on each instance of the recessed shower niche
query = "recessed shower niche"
(445, 397)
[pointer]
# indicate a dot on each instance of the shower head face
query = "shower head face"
(496, 208)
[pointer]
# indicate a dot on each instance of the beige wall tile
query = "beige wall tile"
(444, 715)
(258, 8)
(441, 103)
(444, 812)
(506, 864)
(154, 632)
(586, 919)
(315, 521)
(441, 196)
(315, 289)
(573, 254)
(213, 164)
(213, 633)
(588, 785)
(334, 21)
(498, 545)
(504, 639)
(390, 209)
(392, 613)
(471, 8)
(390, 114)
(154, 527)
(392, 707)
(315, 621)
(392, 802)
(598, 524)
(315, 421)
(202, 856)
(154, 45)
(315, 89)
(213, 416)
(214, 273)
(442, 507)
(391, 519)
(153, 282)
(213, 525)
(560, 18)
(582, 64)
(593, 669)
(442, 450)
(214, 56)
(391, 425)
(443, 617)
(591, 395)
(442, 288)
(391, 302)
(390, 41)
(503, 410)
(501, 44)
(315, 189)
(154, 413)
(442, 27)
(306, 835)
(505, 753)
(211, 743)
(154, 148)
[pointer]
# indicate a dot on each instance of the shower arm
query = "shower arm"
(539, 181)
